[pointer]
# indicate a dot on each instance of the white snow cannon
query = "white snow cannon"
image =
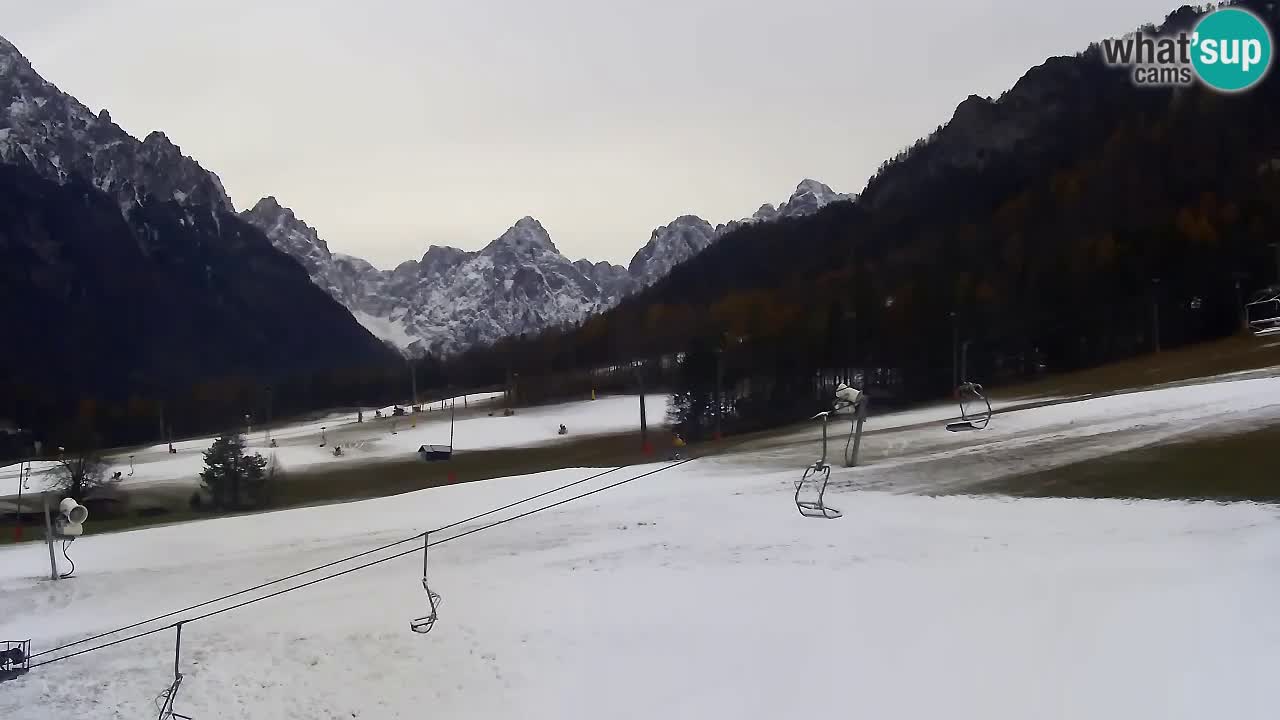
(846, 397)
(72, 516)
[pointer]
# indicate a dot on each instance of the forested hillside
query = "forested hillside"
(1061, 223)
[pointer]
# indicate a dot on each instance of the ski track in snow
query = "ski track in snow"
(699, 591)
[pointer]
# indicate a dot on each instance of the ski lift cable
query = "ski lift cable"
(325, 566)
(224, 597)
(340, 573)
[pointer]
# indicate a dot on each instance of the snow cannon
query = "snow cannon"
(73, 511)
(72, 516)
(846, 396)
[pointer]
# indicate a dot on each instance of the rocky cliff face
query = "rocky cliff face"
(125, 268)
(669, 246)
(108, 307)
(58, 137)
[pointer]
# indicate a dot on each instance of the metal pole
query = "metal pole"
(1244, 318)
(964, 361)
(955, 341)
(509, 395)
(48, 536)
(857, 432)
(177, 652)
(22, 483)
(1276, 245)
(413, 375)
(823, 460)
(451, 406)
(644, 426)
(170, 696)
(1155, 314)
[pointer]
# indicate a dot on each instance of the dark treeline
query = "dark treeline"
(1074, 221)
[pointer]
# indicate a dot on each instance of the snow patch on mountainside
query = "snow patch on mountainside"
(387, 329)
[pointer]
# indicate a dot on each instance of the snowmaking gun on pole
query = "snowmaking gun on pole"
(812, 487)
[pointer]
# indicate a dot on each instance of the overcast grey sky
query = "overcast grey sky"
(392, 125)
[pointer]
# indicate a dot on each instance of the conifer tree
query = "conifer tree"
(234, 480)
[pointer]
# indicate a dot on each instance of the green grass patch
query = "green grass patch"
(1245, 466)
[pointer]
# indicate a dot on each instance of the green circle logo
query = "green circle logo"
(1232, 49)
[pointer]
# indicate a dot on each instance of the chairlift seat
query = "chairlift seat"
(15, 658)
(1263, 313)
(423, 625)
(971, 393)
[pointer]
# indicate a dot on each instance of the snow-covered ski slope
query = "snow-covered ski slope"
(374, 439)
(699, 592)
(911, 452)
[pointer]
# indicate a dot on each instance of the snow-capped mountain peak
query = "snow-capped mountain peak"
(451, 298)
(440, 259)
(11, 59)
(809, 197)
(290, 234)
(526, 236)
(669, 246)
(518, 283)
(58, 137)
(766, 213)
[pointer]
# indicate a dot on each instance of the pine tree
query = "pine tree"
(234, 480)
(692, 409)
